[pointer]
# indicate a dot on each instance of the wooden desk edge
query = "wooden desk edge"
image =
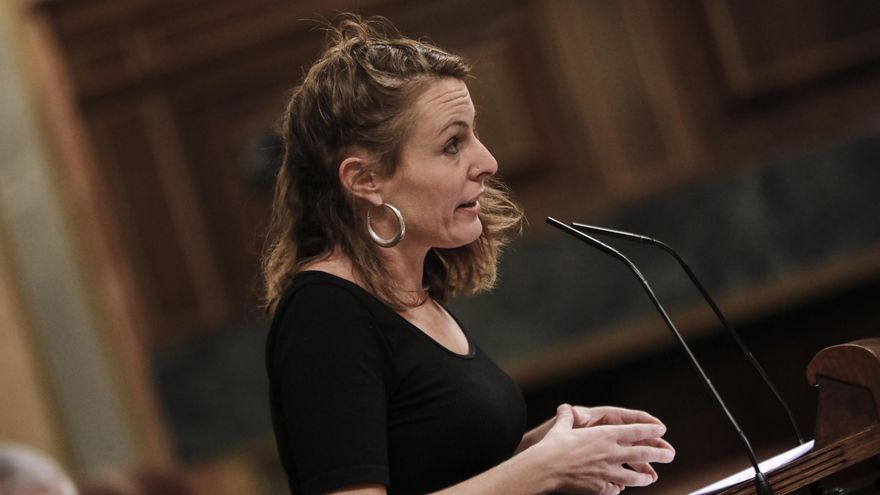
(818, 463)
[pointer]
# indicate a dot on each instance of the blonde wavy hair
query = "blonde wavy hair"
(360, 93)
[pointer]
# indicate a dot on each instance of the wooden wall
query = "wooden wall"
(587, 104)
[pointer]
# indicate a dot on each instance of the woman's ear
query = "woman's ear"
(357, 177)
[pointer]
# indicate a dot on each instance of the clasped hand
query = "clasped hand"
(602, 450)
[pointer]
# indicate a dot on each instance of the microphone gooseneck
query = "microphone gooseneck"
(628, 236)
(761, 484)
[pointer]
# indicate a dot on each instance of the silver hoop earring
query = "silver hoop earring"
(401, 229)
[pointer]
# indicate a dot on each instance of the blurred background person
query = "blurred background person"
(139, 482)
(25, 471)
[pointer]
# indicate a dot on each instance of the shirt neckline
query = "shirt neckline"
(472, 351)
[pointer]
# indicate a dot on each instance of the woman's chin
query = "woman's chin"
(469, 235)
(457, 235)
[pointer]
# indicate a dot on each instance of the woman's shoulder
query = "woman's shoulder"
(327, 317)
(317, 290)
(318, 307)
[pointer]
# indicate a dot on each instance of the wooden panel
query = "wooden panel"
(120, 304)
(626, 128)
(157, 39)
(764, 46)
(579, 70)
(725, 128)
(27, 411)
(219, 139)
(623, 85)
(129, 162)
(220, 114)
(647, 24)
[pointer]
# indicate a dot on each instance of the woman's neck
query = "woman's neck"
(405, 265)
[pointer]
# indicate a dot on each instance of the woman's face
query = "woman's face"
(439, 180)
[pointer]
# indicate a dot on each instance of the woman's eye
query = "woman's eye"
(451, 147)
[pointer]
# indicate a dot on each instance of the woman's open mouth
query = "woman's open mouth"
(469, 206)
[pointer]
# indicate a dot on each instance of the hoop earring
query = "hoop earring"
(401, 229)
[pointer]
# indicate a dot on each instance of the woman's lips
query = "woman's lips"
(472, 206)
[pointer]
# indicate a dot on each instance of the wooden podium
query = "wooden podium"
(847, 417)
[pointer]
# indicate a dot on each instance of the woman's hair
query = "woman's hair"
(360, 94)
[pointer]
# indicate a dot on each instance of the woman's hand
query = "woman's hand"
(608, 415)
(591, 416)
(602, 450)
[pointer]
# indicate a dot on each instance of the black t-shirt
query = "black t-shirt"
(360, 395)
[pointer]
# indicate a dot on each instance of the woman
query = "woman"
(385, 207)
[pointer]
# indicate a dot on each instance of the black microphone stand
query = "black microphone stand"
(628, 236)
(762, 486)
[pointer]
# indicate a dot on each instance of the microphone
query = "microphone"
(628, 236)
(762, 486)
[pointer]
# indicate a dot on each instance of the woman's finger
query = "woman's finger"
(642, 454)
(609, 415)
(627, 477)
(634, 433)
(564, 419)
(582, 416)
(656, 442)
(610, 488)
(643, 467)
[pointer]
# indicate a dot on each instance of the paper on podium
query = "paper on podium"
(767, 466)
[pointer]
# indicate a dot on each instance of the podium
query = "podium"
(847, 417)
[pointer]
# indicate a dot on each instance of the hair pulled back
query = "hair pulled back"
(359, 94)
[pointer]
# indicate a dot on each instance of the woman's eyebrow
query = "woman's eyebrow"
(459, 123)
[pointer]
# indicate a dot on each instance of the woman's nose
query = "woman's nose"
(484, 164)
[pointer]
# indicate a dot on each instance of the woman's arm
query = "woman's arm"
(516, 476)
(535, 435)
(588, 416)
(567, 458)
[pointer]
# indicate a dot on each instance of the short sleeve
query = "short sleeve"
(332, 370)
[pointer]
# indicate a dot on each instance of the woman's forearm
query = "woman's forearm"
(534, 435)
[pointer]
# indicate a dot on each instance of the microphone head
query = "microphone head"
(596, 243)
